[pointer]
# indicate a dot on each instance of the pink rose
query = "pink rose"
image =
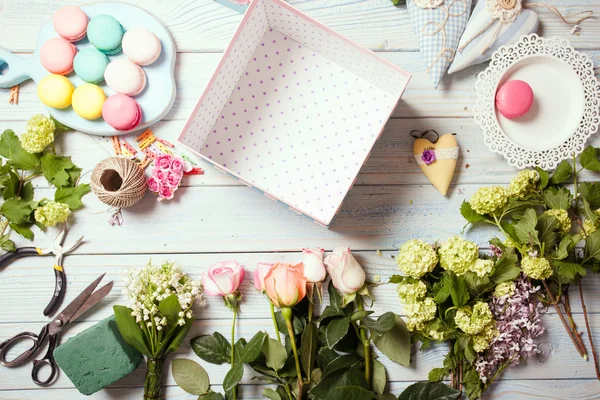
(159, 174)
(346, 273)
(166, 192)
(262, 269)
(163, 161)
(223, 278)
(154, 185)
(285, 284)
(314, 270)
(172, 180)
(177, 165)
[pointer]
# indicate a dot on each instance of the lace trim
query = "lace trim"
(440, 154)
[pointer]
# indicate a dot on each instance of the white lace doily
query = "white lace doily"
(485, 113)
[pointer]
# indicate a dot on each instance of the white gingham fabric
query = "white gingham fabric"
(432, 45)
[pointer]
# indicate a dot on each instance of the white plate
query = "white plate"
(155, 101)
(566, 108)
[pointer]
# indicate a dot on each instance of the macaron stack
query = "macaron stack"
(93, 65)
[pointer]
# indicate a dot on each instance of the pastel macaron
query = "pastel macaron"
(514, 99)
(55, 91)
(121, 112)
(88, 100)
(141, 46)
(90, 64)
(57, 54)
(105, 33)
(125, 77)
(70, 23)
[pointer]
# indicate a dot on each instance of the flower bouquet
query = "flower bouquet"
(159, 315)
(167, 175)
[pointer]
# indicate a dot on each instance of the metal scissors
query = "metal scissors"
(51, 332)
(58, 251)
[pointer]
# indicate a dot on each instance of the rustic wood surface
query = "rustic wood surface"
(214, 217)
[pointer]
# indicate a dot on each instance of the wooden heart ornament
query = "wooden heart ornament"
(437, 159)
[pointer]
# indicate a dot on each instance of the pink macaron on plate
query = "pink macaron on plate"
(155, 100)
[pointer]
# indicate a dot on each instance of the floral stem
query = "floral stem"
(581, 350)
(275, 321)
(153, 380)
(311, 309)
(287, 315)
(234, 390)
(4, 226)
(497, 374)
(567, 304)
(589, 331)
(366, 342)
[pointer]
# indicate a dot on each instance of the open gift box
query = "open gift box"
(293, 109)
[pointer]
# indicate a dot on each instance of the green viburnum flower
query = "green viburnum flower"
(589, 227)
(420, 312)
(563, 218)
(436, 334)
(39, 133)
(473, 320)
(504, 289)
(458, 255)
(416, 258)
(482, 267)
(523, 183)
(52, 213)
(482, 340)
(536, 267)
(411, 292)
(488, 199)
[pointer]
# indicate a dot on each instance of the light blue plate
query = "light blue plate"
(156, 100)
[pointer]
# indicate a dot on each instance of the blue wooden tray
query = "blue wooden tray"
(156, 100)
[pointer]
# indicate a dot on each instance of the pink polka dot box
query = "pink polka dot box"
(294, 109)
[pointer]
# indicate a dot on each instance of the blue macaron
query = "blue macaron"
(105, 33)
(90, 64)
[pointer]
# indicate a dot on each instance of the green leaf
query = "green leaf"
(297, 323)
(506, 268)
(254, 348)
(325, 356)
(340, 363)
(588, 213)
(308, 347)
(330, 312)
(271, 394)
(10, 148)
(27, 191)
(360, 315)
(190, 376)
(211, 396)
(384, 323)
(558, 198)
(395, 343)
(6, 244)
(60, 127)
(11, 184)
(214, 348)
(379, 378)
(544, 178)
(22, 229)
(525, 228)
(592, 246)
(335, 298)
(469, 214)
(177, 339)
(589, 159)
(343, 384)
(473, 385)
(568, 271)
(233, 377)
(591, 192)
(437, 374)
(72, 195)
(396, 279)
(562, 173)
(566, 245)
(56, 169)
(275, 354)
(429, 391)
(16, 211)
(131, 330)
(336, 330)
(547, 227)
(170, 309)
(457, 287)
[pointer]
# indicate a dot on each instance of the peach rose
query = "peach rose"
(285, 284)
(262, 269)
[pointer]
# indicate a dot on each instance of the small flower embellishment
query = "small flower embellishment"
(428, 156)
(428, 3)
(506, 11)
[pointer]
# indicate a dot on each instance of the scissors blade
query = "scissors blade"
(93, 299)
(69, 311)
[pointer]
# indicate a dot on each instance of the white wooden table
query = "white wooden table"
(215, 218)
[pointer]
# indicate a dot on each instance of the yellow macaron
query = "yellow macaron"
(88, 100)
(55, 91)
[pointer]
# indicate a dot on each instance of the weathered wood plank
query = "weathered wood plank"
(34, 276)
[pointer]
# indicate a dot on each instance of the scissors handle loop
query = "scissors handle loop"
(37, 341)
(47, 360)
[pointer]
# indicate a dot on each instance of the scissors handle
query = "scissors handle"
(47, 360)
(60, 282)
(37, 341)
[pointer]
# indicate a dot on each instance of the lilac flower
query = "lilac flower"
(428, 156)
(497, 251)
(518, 322)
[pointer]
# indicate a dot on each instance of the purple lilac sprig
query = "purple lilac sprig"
(518, 320)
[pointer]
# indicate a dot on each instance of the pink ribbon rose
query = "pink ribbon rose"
(346, 273)
(163, 161)
(153, 184)
(166, 192)
(159, 174)
(172, 180)
(177, 165)
(223, 278)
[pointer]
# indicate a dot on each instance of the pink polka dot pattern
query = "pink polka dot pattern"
(301, 116)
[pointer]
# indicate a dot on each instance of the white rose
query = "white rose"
(346, 273)
(314, 270)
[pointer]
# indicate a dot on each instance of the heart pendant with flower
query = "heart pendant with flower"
(437, 158)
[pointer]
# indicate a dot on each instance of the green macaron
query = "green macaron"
(105, 33)
(90, 64)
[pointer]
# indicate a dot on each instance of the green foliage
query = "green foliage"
(214, 348)
(430, 391)
(190, 376)
(395, 343)
(562, 173)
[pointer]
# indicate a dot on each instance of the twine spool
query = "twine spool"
(118, 182)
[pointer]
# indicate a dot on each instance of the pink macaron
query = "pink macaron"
(70, 23)
(57, 56)
(125, 77)
(121, 112)
(514, 99)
